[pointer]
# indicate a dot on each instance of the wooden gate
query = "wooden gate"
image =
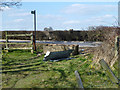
(16, 35)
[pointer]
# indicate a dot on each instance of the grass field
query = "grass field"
(20, 70)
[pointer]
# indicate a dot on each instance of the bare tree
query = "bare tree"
(9, 3)
(48, 29)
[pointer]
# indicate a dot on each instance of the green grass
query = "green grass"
(20, 71)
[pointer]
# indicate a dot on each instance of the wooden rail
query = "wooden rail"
(17, 35)
(79, 81)
(108, 71)
(14, 43)
(19, 48)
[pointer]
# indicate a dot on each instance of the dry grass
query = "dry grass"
(107, 50)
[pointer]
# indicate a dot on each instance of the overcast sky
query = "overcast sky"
(61, 15)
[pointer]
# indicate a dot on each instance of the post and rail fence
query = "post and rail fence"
(16, 35)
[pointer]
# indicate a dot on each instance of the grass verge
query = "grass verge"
(20, 71)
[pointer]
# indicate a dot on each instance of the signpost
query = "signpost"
(34, 32)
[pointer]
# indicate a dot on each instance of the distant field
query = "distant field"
(20, 71)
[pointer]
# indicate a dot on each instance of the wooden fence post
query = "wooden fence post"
(117, 54)
(118, 51)
(6, 33)
(108, 71)
(80, 85)
(116, 45)
(32, 50)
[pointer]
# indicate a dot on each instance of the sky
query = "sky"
(61, 15)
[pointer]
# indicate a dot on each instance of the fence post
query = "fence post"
(32, 50)
(118, 52)
(108, 71)
(116, 55)
(80, 85)
(6, 33)
(116, 46)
